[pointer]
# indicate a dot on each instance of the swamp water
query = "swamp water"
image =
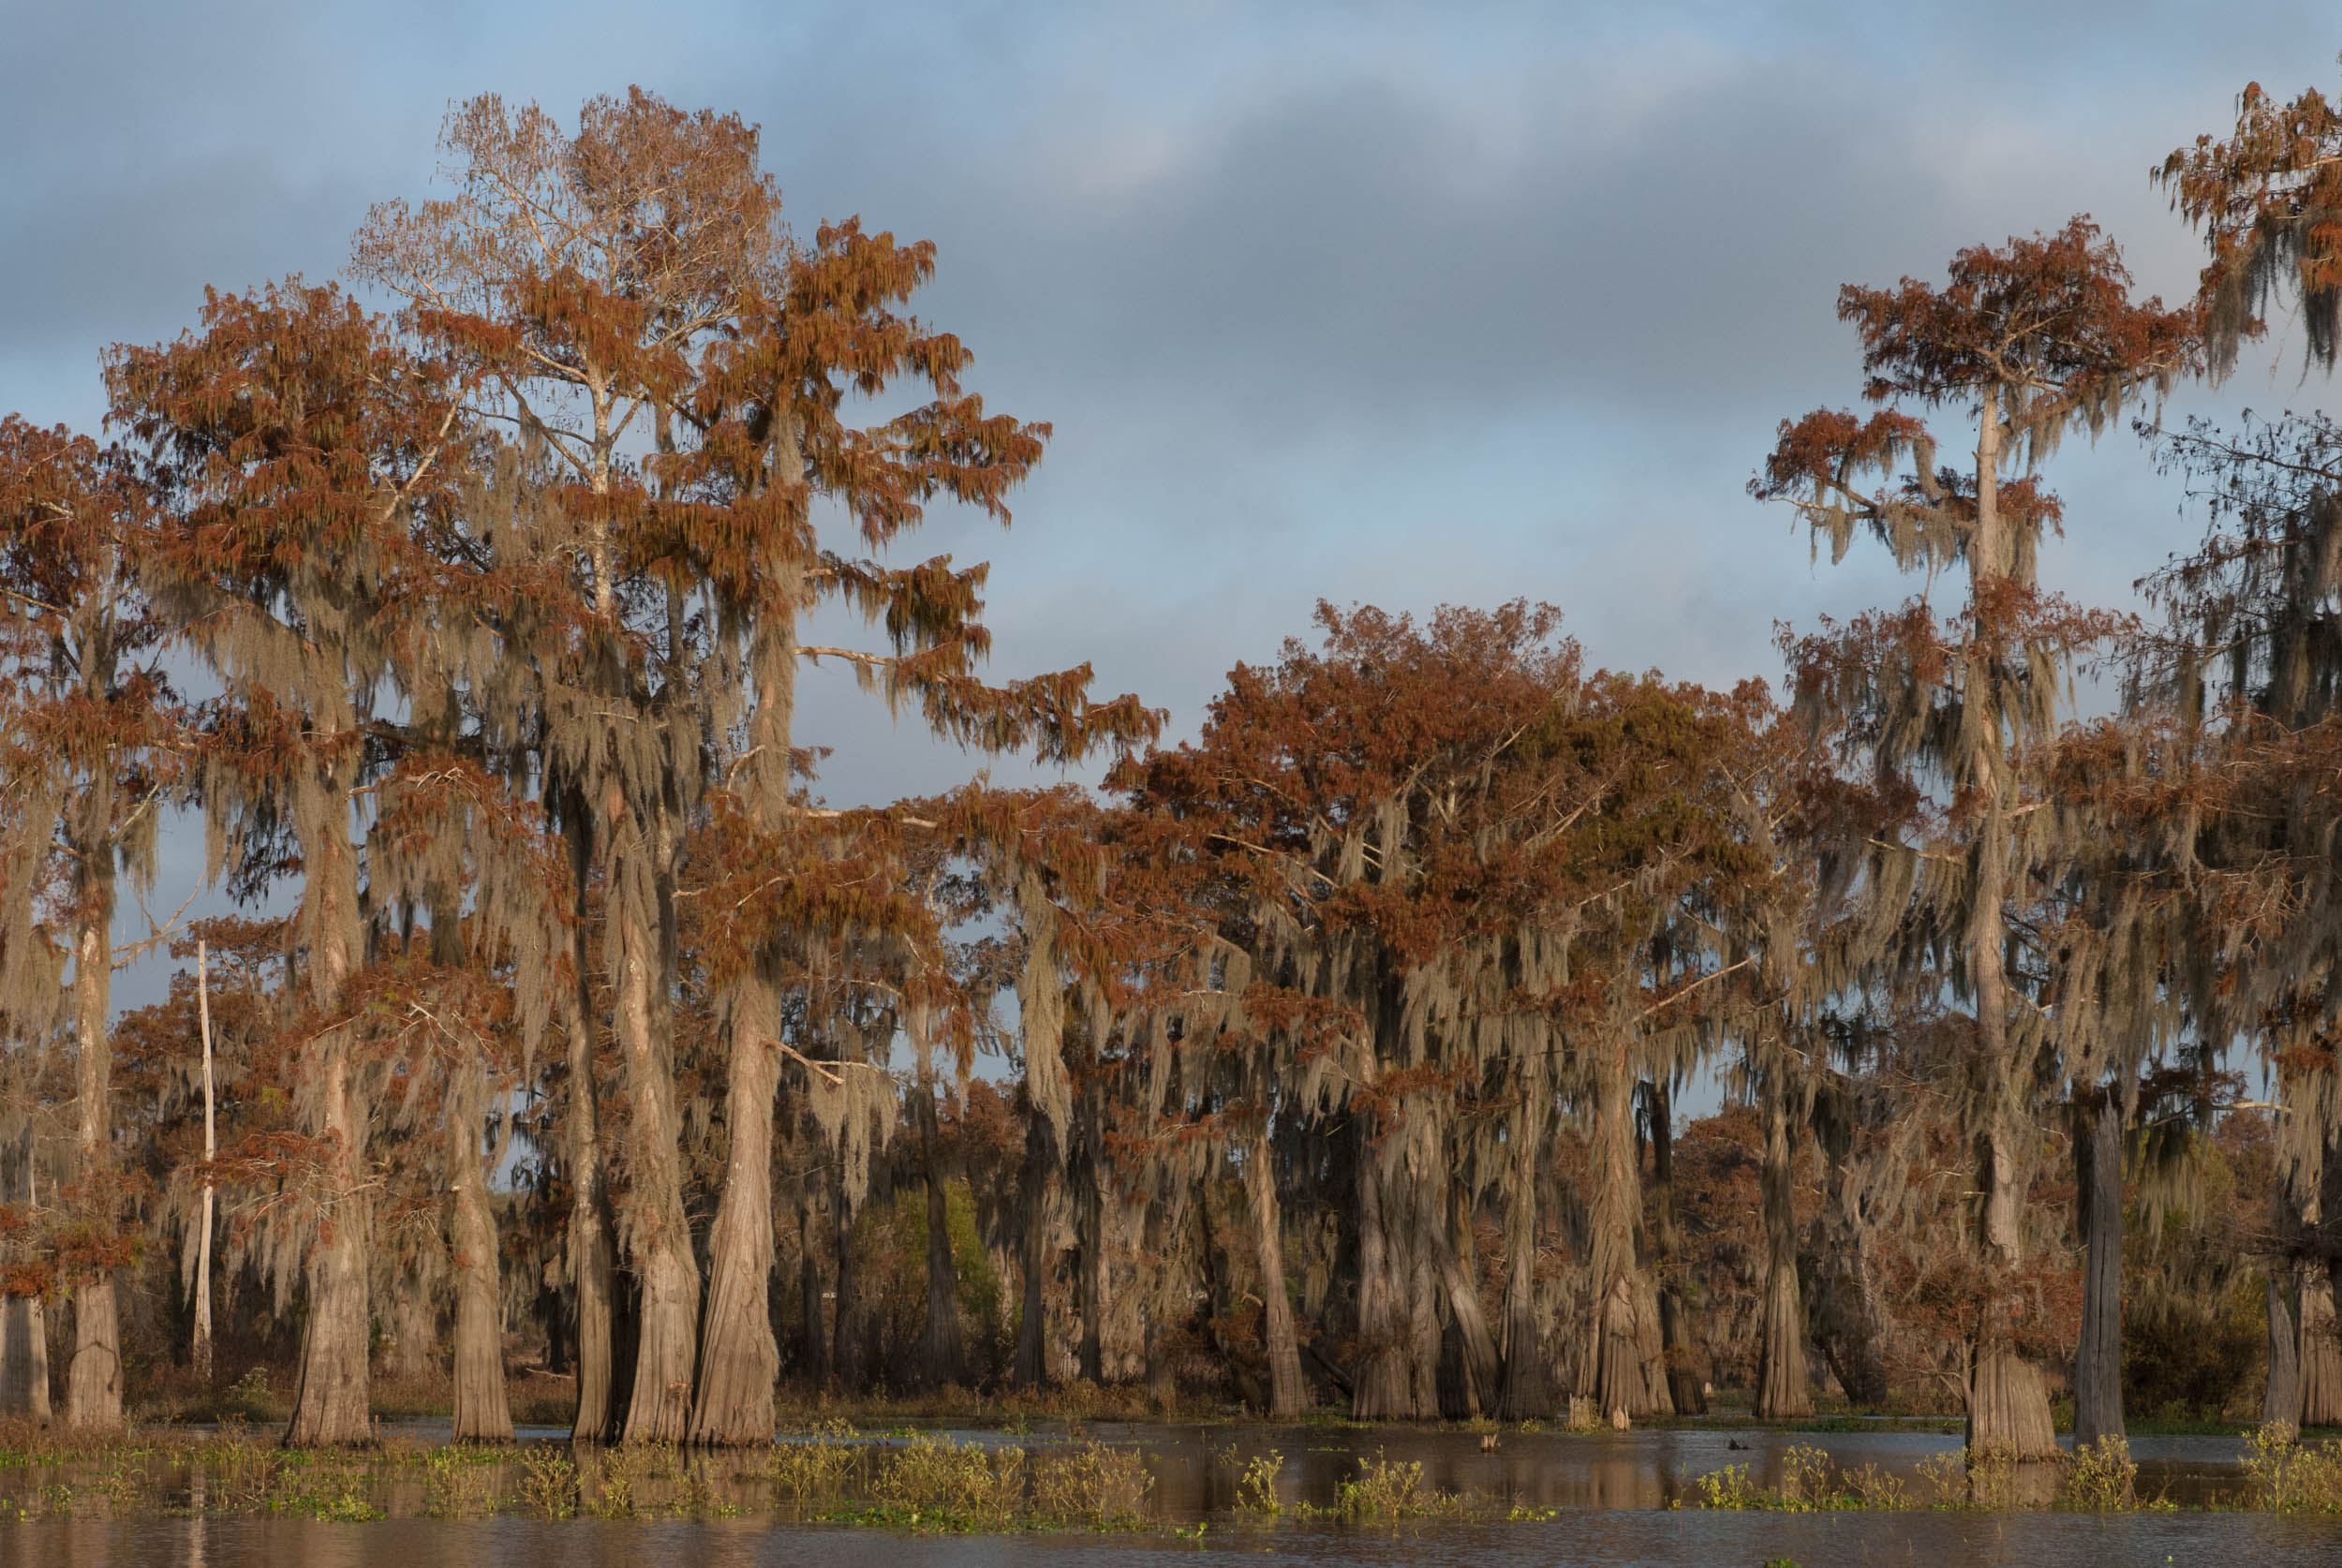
(1540, 1498)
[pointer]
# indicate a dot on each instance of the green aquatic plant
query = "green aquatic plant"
(1256, 1488)
(1385, 1491)
(2100, 1477)
(549, 1483)
(2284, 1476)
(1091, 1485)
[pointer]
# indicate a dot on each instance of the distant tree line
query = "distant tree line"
(1331, 1055)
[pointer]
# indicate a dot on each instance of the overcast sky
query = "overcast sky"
(1393, 304)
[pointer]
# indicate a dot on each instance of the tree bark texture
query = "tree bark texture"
(1040, 1257)
(330, 1390)
(483, 1412)
(2320, 1356)
(1527, 1391)
(1782, 1389)
(1474, 1365)
(2008, 1407)
(1090, 1238)
(658, 1236)
(330, 1402)
(739, 1361)
(1288, 1391)
(1382, 1389)
(92, 1389)
(593, 1266)
(2281, 1396)
(23, 1359)
(1622, 1347)
(1686, 1389)
(2098, 1356)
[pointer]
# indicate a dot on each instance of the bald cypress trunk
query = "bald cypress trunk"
(1685, 1390)
(1528, 1391)
(740, 1358)
(23, 1329)
(1476, 1360)
(1040, 1257)
(92, 1392)
(592, 1266)
(1621, 1339)
(1381, 1390)
(658, 1241)
(2281, 1394)
(330, 1405)
(1288, 1392)
(1782, 1391)
(739, 1361)
(2320, 1355)
(2008, 1408)
(2098, 1356)
(1090, 1282)
(482, 1412)
(943, 1351)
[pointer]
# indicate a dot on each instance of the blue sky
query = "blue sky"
(1384, 302)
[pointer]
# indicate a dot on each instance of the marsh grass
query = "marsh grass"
(2099, 1477)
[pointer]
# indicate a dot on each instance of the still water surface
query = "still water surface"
(1603, 1537)
(1614, 1491)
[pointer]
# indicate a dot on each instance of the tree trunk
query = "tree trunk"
(943, 1351)
(202, 1357)
(93, 1390)
(592, 1267)
(2281, 1398)
(1422, 1275)
(2098, 1356)
(1089, 1239)
(2008, 1408)
(1288, 1392)
(23, 1333)
(2320, 1355)
(1782, 1391)
(659, 1240)
(739, 1362)
(1686, 1389)
(1382, 1390)
(1615, 1366)
(330, 1407)
(482, 1412)
(1040, 1258)
(1527, 1391)
(1475, 1361)
(1847, 1312)
(2007, 1401)
(330, 1404)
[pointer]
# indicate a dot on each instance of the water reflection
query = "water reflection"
(1662, 1539)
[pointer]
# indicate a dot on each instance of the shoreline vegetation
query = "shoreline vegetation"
(833, 1473)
